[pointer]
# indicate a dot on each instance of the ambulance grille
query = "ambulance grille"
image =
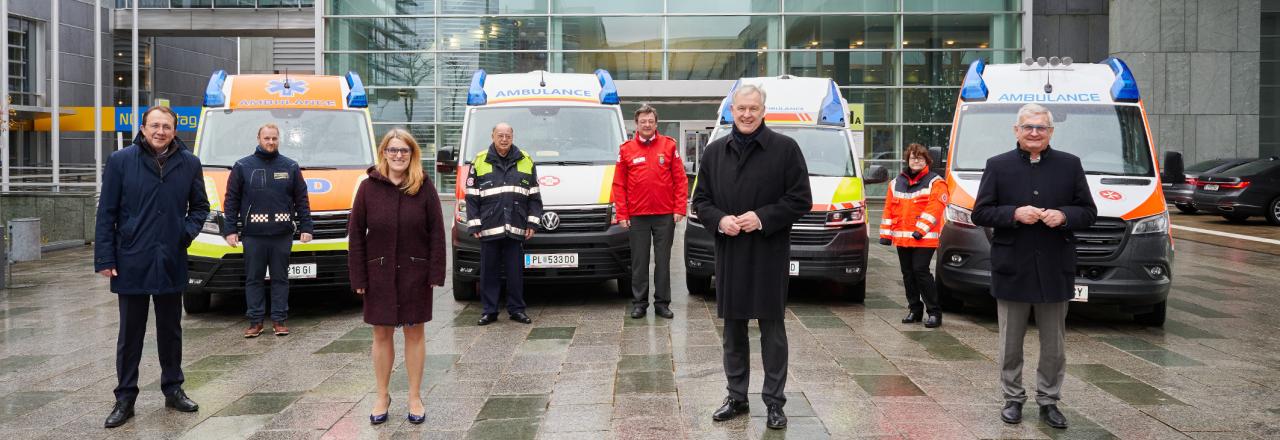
(1101, 241)
(809, 236)
(577, 220)
(329, 224)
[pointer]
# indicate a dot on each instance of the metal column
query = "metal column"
(55, 80)
(97, 96)
(4, 96)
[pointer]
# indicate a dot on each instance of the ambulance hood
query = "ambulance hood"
(1121, 197)
(575, 184)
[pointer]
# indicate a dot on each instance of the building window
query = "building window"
(121, 76)
(22, 61)
(1269, 88)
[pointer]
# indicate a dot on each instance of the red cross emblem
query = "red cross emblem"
(548, 180)
(1110, 195)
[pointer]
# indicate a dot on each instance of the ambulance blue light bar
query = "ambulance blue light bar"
(1125, 89)
(356, 98)
(974, 88)
(832, 112)
(213, 96)
(726, 112)
(608, 90)
(476, 95)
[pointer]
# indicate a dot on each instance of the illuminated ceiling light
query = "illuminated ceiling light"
(951, 42)
(859, 42)
(905, 42)
(764, 47)
(983, 45)
(813, 43)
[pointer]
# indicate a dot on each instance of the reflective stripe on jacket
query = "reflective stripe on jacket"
(914, 204)
(502, 195)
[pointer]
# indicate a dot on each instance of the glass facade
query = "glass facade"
(1269, 88)
(902, 59)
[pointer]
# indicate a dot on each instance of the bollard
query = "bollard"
(4, 261)
(24, 239)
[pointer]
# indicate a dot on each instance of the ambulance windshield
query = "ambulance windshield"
(1109, 139)
(313, 138)
(826, 150)
(563, 135)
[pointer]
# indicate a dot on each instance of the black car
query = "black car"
(1242, 192)
(1180, 193)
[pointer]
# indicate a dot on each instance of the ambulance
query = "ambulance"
(571, 124)
(324, 126)
(828, 244)
(1125, 257)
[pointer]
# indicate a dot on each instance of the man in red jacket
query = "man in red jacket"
(649, 194)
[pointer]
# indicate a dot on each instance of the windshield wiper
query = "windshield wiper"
(570, 162)
(215, 165)
(317, 168)
(1104, 173)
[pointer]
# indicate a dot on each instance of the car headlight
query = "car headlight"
(1155, 224)
(613, 214)
(693, 215)
(843, 217)
(959, 215)
(460, 212)
(213, 224)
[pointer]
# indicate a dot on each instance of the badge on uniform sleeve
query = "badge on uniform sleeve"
(471, 181)
(281, 176)
(662, 160)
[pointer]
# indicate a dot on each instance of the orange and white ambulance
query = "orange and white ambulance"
(1126, 257)
(324, 126)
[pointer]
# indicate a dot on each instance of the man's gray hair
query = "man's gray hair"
(1029, 110)
(503, 124)
(747, 89)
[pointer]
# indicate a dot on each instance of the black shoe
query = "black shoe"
(1012, 413)
(663, 311)
(522, 318)
(777, 419)
(179, 401)
(122, 412)
(1050, 415)
(487, 318)
(933, 321)
(913, 317)
(730, 409)
(638, 312)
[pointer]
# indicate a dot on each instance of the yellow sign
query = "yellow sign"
(162, 101)
(857, 113)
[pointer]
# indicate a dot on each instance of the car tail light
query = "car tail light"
(1238, 185)
(1192, 181)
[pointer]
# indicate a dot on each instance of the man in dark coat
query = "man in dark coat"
(752, 186)
(271, 189)
(153, 204)
(1033, 197)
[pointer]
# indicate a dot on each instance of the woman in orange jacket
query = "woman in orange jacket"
(912, 222)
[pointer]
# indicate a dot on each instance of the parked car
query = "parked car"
(1241, 192)
(1179, 193)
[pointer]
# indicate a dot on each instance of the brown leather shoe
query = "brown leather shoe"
(253, 331)
(279, 328)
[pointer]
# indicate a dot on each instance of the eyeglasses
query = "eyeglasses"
(397, 151)
(1035, 128)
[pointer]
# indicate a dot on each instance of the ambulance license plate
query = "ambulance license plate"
(301, 270)
(540, 261)
(1211, 187)
(793, 269)
(1082, 294)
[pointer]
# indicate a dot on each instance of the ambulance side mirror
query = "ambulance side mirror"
(876, 174)
(446, 160)
(1174, 171)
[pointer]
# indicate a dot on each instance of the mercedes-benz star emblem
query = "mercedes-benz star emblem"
(550, 220)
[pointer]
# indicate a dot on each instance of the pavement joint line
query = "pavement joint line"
(1226, 234)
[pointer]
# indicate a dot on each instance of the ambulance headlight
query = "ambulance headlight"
(213, 224)
(613, 215)
(958, 215)
(846, 217)
(1156, 224)
(693, 215)
(460, 212)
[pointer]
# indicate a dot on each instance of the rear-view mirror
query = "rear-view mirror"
(1174, 171)
(876, 174)
(446, 160)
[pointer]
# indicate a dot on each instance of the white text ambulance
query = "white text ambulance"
(1126, 257)
(830, 242)
(572, 126)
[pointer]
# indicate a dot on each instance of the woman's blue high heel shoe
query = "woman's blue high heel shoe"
(416, 419)
(379, 419)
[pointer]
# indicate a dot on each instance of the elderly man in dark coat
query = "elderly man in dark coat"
(1033, 197)
(752, 185)
(153, 204)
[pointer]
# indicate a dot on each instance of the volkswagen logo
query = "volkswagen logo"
(550, 220)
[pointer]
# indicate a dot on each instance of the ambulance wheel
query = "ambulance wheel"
(946, 298)
(1155, 317)
(855, 292)
(624, 287)
(195, 302)
(1235, 218)
(1273, 212)
(698, 285)
(1186, 209)
(464, 290)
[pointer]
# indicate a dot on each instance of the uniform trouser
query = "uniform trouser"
(1051, 322)
(660, 230)
(260, 253)
(737, 359)
(133, 330)
(922, 294)
(503, 256)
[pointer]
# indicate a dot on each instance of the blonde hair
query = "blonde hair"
(270, 125)
(413, 181)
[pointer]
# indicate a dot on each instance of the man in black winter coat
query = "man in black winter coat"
(1033, 197)
(273, 194)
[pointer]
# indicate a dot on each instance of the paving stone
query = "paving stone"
(514, 429)
(552, 333)
(880, 385)
(513, 407)
(1138, 393)
(259, 403)
(646, 382)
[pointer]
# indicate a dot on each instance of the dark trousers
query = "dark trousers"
(922, 294)
(504, 256)
(133, 329)
(658, 230)
(737, 359)
(260, 253)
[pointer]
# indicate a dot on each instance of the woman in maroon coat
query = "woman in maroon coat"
(396, 254)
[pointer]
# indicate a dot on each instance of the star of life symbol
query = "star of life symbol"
(296, 87)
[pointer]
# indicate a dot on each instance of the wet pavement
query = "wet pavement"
(584, 370)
